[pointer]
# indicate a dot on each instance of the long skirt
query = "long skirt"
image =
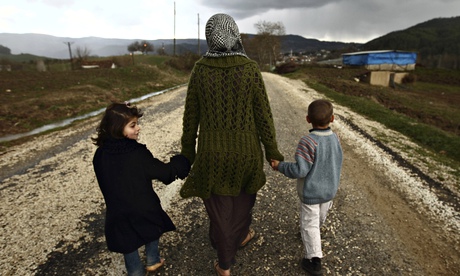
(230, 218)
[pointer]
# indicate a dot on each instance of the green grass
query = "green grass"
(37, 98)
(21, 58)
(425, 135)
(151, 60)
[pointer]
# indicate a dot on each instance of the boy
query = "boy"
(317, 169)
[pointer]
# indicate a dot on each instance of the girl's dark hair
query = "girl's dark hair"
(115, 118)
(320, 112)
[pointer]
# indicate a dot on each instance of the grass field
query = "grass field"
(30, 99)
(427, 110)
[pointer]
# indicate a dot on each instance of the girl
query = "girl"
(124, 170)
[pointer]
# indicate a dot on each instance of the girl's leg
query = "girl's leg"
(152, 253)
(133, 264)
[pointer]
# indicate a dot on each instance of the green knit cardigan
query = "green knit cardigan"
(227, 109)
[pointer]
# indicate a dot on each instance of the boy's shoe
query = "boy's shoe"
(313, 266)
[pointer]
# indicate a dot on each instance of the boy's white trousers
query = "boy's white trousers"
(312, 218)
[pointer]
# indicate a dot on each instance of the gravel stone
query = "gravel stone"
(392, 215)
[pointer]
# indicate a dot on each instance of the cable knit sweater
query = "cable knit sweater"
(228, 105)
(317, 168)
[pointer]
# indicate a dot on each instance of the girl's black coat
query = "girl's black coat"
(134, 216)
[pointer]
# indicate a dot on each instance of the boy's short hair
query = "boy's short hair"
(320, 112)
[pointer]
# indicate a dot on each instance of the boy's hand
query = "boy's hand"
(274, 164)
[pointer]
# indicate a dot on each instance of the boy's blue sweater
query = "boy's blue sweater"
(317, 168)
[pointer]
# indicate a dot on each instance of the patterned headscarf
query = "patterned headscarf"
(223, 37)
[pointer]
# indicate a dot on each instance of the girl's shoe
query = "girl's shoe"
(156, 266)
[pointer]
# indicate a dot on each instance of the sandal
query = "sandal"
(249, 238)
(156, 266)
(218, 269)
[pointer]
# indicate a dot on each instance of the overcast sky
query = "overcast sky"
(328, 20)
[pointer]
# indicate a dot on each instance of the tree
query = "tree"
(249, 46)
(5, 50)
(82, 54)
(142, 46)
(133, 47)
(161, 52)
(267, 42)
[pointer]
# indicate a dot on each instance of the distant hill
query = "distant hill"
(57, 47)
(297, 43)
(436, 41)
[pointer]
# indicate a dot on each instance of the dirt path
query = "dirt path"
(385, 219)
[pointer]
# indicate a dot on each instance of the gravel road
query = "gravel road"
(396, 212)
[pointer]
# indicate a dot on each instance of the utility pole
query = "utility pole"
(174, 51)
(70, 53)
(199, 50)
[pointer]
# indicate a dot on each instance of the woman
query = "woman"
(227, 103)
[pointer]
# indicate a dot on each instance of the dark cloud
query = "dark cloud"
(339, 20)
(241, 9)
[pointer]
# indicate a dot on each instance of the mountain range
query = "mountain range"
(436, 41)
(58, 47)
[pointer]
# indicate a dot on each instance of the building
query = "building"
(387, 66)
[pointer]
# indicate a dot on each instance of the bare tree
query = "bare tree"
(82, 54)
(266, 45)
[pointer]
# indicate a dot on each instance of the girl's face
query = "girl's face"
(132, 128)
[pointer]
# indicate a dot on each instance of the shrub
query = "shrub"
(409, 78)
(183, 62)
(286, 68)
